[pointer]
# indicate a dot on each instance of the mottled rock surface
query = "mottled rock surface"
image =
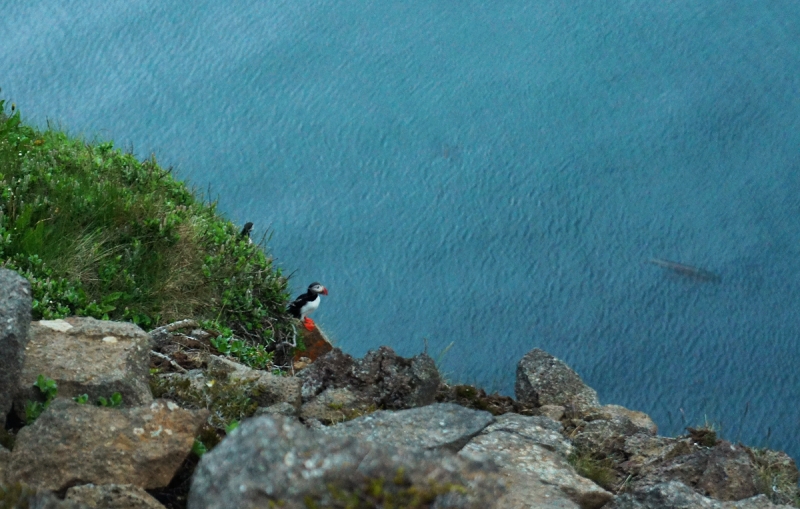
(273, 460)
(113, 496)
(263, 387)
(544, 380)
(15, 317)
(605, 429)
(676, 495)
(87, 356)
(437, 426)
(387, 380)
(729, 474)
(336, 405)
(724, 472)
(78, 444)
(533, 458)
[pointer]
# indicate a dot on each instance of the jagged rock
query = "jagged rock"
(284, 409)
(70, 442)
(437, 426)
(5, 458)
(730, 473)
(386, 379)
(476, 398)
(555, 412)
(723, 472)
(605, 429)
(532, 454)
(644, 450)
(15, 317)
(639, 420)
(778, 475)
(336, 405)
(86, 356)
(544, 380)
(273, 460)
(676, 495)
(263, 387)
(113, 496)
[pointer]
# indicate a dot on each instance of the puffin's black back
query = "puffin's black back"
(295, 307)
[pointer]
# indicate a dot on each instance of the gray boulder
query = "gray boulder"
(544, 380)
(533, 458)
(71, 442)
(676, 495)
(87, 356)
(15, 317)
(263, 387)
(274, 461)
(437, 426)
(382, 377)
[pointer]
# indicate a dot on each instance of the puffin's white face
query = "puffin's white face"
(318, 288)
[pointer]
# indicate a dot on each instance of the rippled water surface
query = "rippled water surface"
(493, 174)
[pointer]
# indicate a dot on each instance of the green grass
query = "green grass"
(99, 233)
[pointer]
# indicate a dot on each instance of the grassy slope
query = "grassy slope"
(99, 233)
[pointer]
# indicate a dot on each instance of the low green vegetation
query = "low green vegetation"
(99, 233)
(227, 400)
(398, 493)
(49, 389)
(113, 402)
(599, 470)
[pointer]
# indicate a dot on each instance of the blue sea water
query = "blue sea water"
(493, 174)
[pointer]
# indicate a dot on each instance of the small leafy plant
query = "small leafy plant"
(255, 356)
(49, 389)
(199, 448)
(114, 401)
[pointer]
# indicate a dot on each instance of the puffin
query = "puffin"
(305, 304)
(246, 232)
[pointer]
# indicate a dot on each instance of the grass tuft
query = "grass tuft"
(99, 233)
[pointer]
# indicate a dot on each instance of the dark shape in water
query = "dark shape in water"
(686, 270)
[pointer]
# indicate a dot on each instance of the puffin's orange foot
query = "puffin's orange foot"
(309, 324)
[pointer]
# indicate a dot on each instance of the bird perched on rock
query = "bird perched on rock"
(305, 304)
(246, 231)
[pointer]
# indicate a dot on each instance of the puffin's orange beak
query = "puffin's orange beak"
(324, 291)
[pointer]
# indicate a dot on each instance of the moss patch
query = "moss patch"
(598, 470)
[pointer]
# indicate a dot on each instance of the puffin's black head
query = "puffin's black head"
(317, 288)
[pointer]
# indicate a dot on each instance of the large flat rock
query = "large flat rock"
(87, 356)
(277, 462)
(441, 425)
(72, 443)
(532, 454)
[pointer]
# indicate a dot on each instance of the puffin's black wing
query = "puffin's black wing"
(295, 307)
